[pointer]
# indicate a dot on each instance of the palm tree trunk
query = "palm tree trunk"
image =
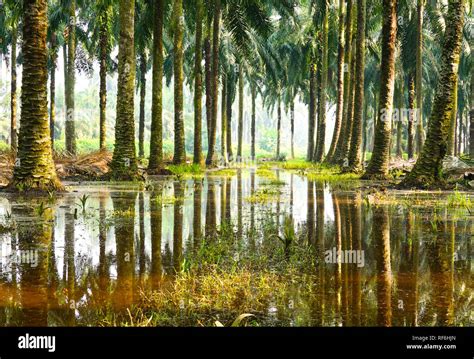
(338, 153)
(124, 162)
(365, 128)
(241, 113)
(71, 82)
(355, 156)
(420, 132)
(156, 133)
(278, 129)
(378, 166)
(452, 127)
(312, 112)
(292, 124)
(411, 119)
(340, 84)
(230, 99)
(428, 169)
(346, 142)
(211, 154)
(320, 147)
(141, 122)
(252, 124)
(399, 149)
(35, 169)
(52, 90)
(197, 158)
(103, 80)
(208, 79)
(178, 25)
(317, 99)
(471, 120)
(13, 102)
(223, 119)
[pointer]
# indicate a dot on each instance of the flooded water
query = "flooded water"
(102, 254)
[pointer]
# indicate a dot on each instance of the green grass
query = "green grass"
(191, 170)
(222, 278)
(227, 172)
(266, 173)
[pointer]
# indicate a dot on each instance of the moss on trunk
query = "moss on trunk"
(378, 166)
(13, 94)
(340, 84)
(211, 159)
(411, 119)
(428, 169)
(311, 112)
(197, 158)
(141, 123)
(34, 170)
(240, 131)
(124, 161)
(70, 126)
(104, 45)
(322, 91)
(355, 154)
(156, 133)
(178, 30)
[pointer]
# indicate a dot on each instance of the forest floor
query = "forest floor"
(95, 165)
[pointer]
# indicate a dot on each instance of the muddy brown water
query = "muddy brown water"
(404, 262)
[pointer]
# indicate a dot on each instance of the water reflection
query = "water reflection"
(94, 262)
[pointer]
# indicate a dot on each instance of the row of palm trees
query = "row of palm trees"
(281, 50)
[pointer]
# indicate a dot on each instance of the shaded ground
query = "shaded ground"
(94, 166)
(85, 167)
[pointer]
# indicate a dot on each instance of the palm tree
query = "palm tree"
(340, 83)
(13, 135)
(210, 160)
(411, 119)
(323, 73)
(100, 19)
(252, 123)
(198, 84)
(240, 131)
(156, 135)
(70, 80)
(428, 168)
(224, 119)
(142, 85)
(143, 34)
(471, 116)
(420, 133)
(178, 30)
(12, 14)
(378, 166)
(312, 110)
(355, 155)
(35, 168)
(344, 136)
(124, 162)
(104, 43)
